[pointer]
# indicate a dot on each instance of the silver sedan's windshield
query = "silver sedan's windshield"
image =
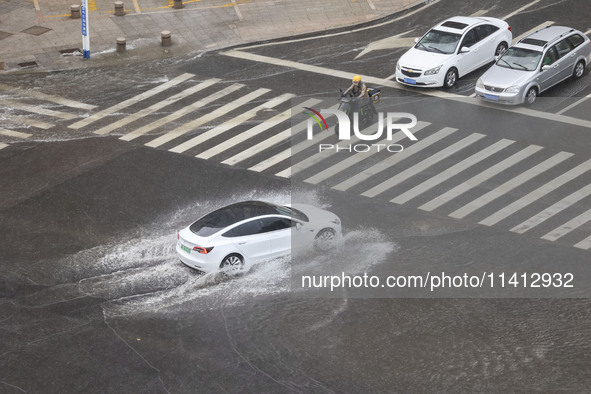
(439, 42)
(520, 59)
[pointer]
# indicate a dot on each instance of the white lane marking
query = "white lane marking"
(269, 142)
(480, 178)
(346, 32)
(222, 128)
(3, 145)
(452, 171)
(538, 27)
(537, 194)
(479, 13)
(553, 210)
(396, 85)
(569, 226)
(155, 107)
(253, 132)
(510, 185)
(178, 114)
(133, 100)
(356, 158)
(517, 11)
(31, 122)
(395, 159)
(581, 100)
(37, 109)
(12, 133)
(48, 97)
(586, 243)
(423, 165)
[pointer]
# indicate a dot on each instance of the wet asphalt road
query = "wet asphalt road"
(93, 298)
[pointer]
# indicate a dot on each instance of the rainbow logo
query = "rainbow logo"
(316, 113)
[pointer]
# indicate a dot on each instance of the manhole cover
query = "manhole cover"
(36, 30)
(4, 34)
(70, 51)
(27, 64)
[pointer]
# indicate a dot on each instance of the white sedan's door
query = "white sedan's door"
(279, 232)
(254, 244)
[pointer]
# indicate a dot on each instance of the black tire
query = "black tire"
(232, 263)
(325, 239)
(531, 95)
(579, 70)
(502, 47)
(451, 76)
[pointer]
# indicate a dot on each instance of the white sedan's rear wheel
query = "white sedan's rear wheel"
(232, 262)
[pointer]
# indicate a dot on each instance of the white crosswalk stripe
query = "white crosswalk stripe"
(28, 121)
(510, 185)
(395, 159)
(47, 97)
(355, 159)
(231, 123)
(553, 210)
(136, 99)
(451, 171)
(3, 145)
(184, 129)
(537, 194)
(177, 115)
(568, 226)
(269, 142)
(12, 133)
(37, 109)
(261, 127)
(423, 165)
(155, 107)
(480, 178)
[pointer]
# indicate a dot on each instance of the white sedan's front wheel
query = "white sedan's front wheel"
(450, 78)
(325, 239)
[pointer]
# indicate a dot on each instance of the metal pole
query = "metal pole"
(85, 29)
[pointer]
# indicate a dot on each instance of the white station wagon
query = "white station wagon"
(534, 64)
(452, 49)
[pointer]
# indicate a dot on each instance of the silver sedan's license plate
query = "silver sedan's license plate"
(491, 97)
(186, 249)
(411, 81)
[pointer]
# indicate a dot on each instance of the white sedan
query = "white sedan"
(452, 49)
(248, 232)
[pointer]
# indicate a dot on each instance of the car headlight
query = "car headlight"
(433, 71)
(479, 83)
(512, 89)
(398, 66)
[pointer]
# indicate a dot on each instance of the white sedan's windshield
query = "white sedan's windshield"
(520, 59)
(439, 42)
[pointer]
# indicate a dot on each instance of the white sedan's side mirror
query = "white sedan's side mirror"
(546, 67)
(464, 50)
(416, 40)
(298, 225)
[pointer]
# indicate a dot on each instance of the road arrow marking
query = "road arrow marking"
(389, 43)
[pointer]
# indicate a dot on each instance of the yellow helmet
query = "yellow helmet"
(357, 78)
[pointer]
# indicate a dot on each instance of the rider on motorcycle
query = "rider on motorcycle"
(357, 90)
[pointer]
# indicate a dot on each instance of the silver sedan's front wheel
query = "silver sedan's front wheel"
(531, 95)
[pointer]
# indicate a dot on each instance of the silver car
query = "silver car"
(534, 64)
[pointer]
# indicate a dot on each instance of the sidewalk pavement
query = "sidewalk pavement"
(41, 35)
